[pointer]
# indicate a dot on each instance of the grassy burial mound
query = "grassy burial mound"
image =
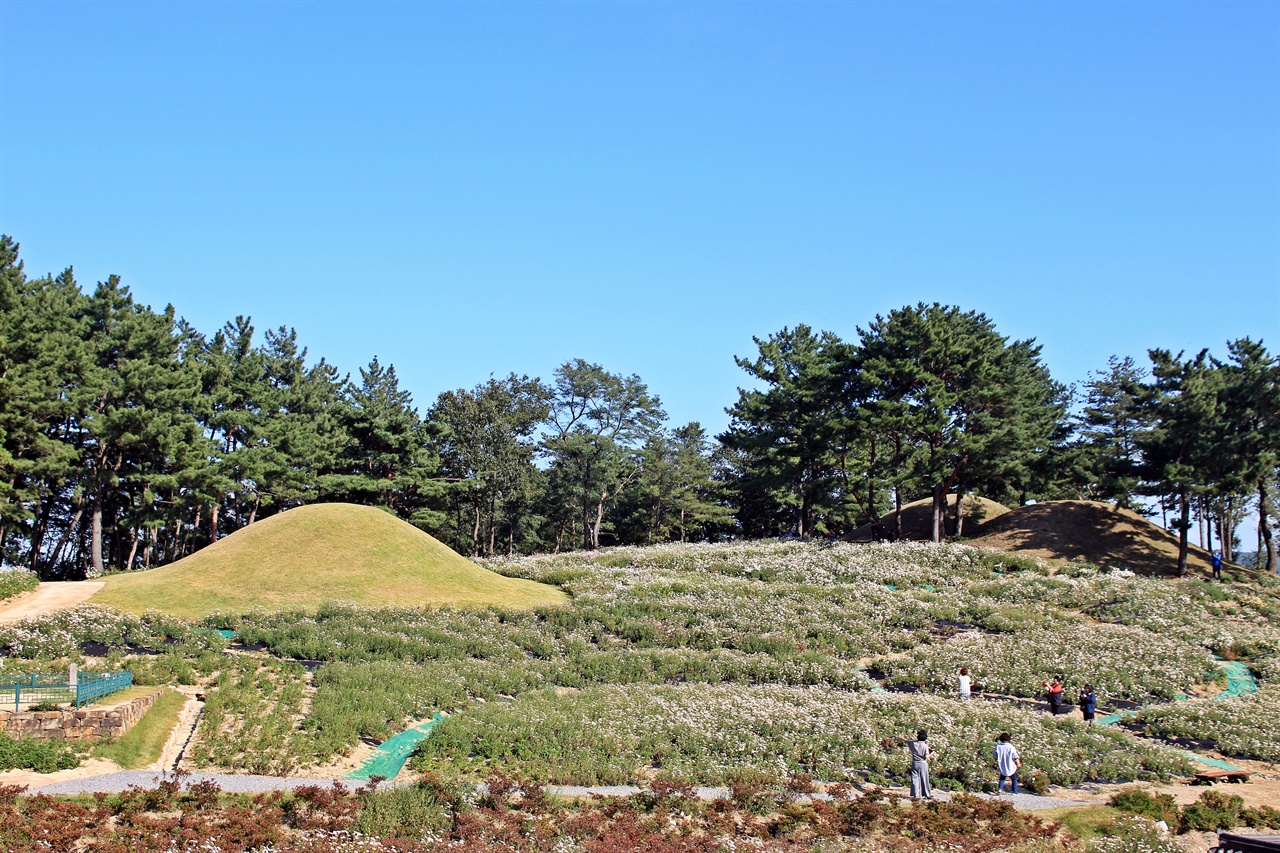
(1092, 532)
(313, 554)
(917, 518)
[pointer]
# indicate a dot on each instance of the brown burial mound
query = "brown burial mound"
(1090, 532)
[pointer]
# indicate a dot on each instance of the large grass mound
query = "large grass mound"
(313, 554)
(1093, 532)
(917, 518)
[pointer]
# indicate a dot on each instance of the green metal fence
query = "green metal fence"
(43, 688)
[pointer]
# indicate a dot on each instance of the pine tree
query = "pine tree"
(972, 406)
(787, 431)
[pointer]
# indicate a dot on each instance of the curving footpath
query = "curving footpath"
(47, 598)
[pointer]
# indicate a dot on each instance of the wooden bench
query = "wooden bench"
(1208, 777)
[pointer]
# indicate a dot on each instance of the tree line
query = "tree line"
(130, 439)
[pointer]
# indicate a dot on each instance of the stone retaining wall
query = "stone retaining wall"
(86, 724)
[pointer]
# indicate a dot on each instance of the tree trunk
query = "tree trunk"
(66, 534)
(493, 518)
(595, 528)
(213, 522)
(681, 525)
(475, 529)
(195, 534)
(253, 513)
(1266, 550)
(95, 541)
(133, 551)
(1184, 525)
(939, 513)
(959, 525)
(897, 513)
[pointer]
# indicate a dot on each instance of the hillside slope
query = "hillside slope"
(917, 517)
(312, 554)
(1092, 532)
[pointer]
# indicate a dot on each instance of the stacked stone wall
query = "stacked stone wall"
(86, 724)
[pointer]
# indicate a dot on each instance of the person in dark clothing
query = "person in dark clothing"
(1054, 694)
(1216, 562)
(1088, 703)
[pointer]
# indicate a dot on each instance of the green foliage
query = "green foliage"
(418, 812)
(142, 744)
(42, 756)
(1140, 801)
(1213, 811)
(251, 718)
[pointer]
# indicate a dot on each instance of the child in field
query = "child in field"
(965, 684)
(1007, 764)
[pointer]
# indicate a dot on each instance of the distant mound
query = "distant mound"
(318, 553)
(917, 517)
(1091, 532)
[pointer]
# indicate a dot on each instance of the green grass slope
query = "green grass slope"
(313, 554)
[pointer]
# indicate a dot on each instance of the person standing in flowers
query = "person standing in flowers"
(966, 691)
(1054, 688)
(1007, 763)
(920, 755)
(1088, 703)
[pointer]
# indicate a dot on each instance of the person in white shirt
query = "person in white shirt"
(965, 691)
(1007, 764)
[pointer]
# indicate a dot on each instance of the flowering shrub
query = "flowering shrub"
(251, 718)
(1134, 834)
(513, 817)
(16, 581)
(61, 634)
(1121, 662)
(710, 733)
(1243, 726)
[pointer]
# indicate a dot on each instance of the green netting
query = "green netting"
(1240, 682)
(390, 756)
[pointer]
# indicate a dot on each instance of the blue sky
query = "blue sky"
(466, 189)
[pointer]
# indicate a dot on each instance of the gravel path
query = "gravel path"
(113, 783)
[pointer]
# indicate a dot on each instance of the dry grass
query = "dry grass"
(917, 517)
(1091, 532)
(313, 554)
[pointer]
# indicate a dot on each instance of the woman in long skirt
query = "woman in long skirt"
(920, 755)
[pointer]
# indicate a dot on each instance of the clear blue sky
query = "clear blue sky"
(476, 188)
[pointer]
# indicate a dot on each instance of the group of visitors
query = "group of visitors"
(1005, 753)
(1055, 693)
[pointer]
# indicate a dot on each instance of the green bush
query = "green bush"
(1141, 802)
(1262, 817)
(417, 812)
(1213, 811)
(41, 756)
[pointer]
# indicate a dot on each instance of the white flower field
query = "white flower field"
(706, 662)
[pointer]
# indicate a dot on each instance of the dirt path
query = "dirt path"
(46, 598)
